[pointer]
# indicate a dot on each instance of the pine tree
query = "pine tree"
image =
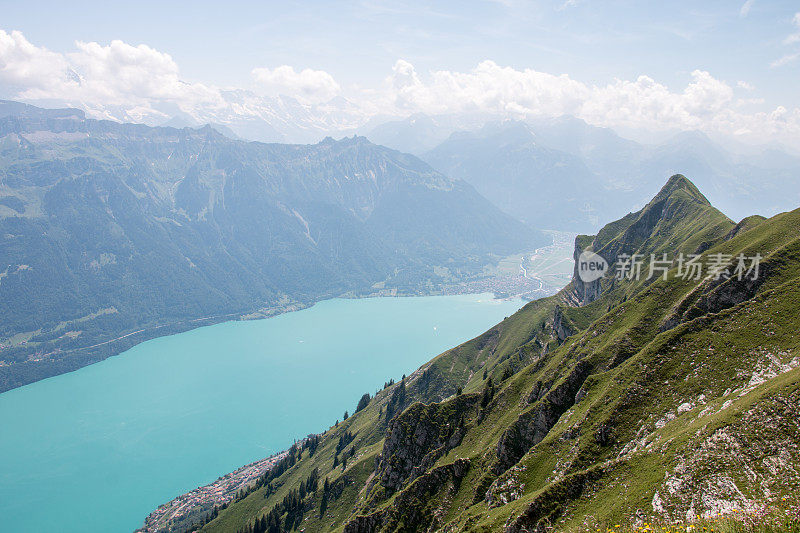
(363, 402)
(323, 505)
(488, 393)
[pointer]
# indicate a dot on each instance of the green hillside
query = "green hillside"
(111, 234)
(612, 402)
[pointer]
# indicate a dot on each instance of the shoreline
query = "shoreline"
(503, 280)
(199, 403)
(192, 507)
(66, 361)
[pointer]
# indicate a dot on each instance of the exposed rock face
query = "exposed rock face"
(366, 524)
(534, 424)
(418, 436)
(549, 504)
(413, 509)
(560, 327)
(539, 390)
(643, 227)
(506, 488)
(583, 293)
(712, 296)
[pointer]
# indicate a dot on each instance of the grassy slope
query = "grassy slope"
(662, 412)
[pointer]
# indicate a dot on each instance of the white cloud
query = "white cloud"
(312, 85)
(507, 91)
(487, 88)
(785, 60)
(791, 39)
(648, 104)
(794, 37)
(746, 7)
(23, 65)
(125, 82)
(706, 103)
(121, 73)
(95, 76)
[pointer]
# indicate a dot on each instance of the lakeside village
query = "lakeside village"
(188, 507)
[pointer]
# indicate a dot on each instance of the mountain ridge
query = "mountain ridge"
(576, 414)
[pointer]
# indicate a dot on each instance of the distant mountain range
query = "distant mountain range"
(565, 174)
(248, 115)
(739, 179)
(112, 231)
(545, 187)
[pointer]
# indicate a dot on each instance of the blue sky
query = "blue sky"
(747, 45)
(592, 41)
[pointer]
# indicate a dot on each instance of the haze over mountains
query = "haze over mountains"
(563, 173)
(740, 179)
(113, 229)
(510, 161)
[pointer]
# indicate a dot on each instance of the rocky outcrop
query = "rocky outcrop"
(713, 296)
(583, 293)
(548, 505)
(367, 523)
(539, 389)
(561, 327)
(421, 434)
(414, 509)
(535, 423)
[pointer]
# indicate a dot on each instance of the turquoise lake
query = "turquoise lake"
(97, 449)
